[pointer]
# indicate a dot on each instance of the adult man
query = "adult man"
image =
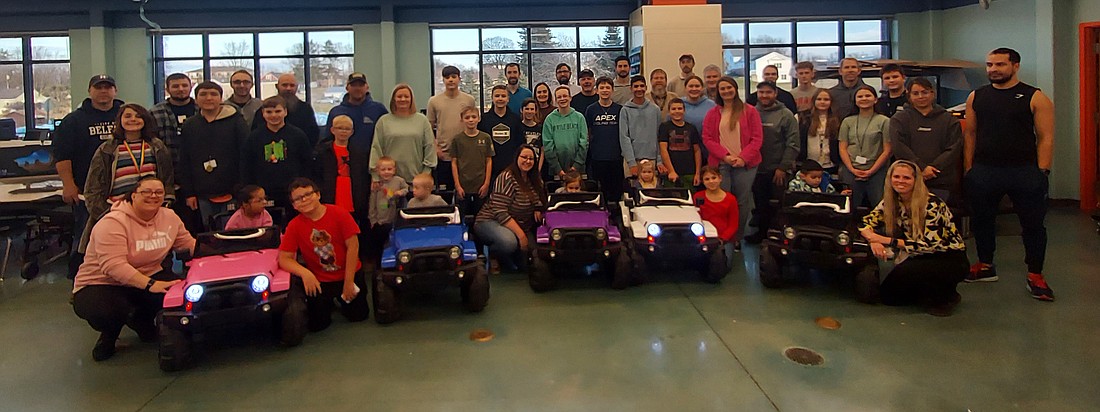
(804, 93)
(844, 93)
(173, 111)
(363, 111)
(778, 151)
(298, 113)
(211, 153)
(929, 136)
(711, 74)
(1008, 149)
(77, 139)
(242, 83)
(687, 67)
(771, 75)
(622, 92)
(659, 93)
(604, 151)
(516, 93)
(445, 115)
(505, 128)
(587, 96)
(638, 124)
(895, 96)
(563, 73)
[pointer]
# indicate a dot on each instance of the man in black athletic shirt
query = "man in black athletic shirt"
(1008, 150)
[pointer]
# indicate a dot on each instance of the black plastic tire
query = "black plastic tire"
(29, 270)
(174, 353)
(717, 266)
(476, 292)
(622, 273)
(867, 283)
(386, 308)
(294, 322)
(771, 273)
(543, 277)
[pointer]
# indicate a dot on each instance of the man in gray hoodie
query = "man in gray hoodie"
(638, 124)
(932, 138)
(778, 150)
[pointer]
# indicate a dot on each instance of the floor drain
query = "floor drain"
(803, 356)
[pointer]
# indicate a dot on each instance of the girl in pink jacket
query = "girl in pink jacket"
(733, 134)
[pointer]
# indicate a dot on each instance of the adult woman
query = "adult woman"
(818, 129)
(542, 100)
(696, 103)
(133, 151)
(405, 135)
(121, 282)
(733, 134)
(507, 221)
(865, 148)
(915, 227)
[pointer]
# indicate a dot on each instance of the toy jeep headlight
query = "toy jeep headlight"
(260, 283)
(193, 293)
(653, 230)
(843, 239)
(555, 234)
(697, 229)
(601, 234)
(455, 252)
(403, 257)
(789, 233)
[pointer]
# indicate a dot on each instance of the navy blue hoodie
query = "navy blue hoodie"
(80, 134)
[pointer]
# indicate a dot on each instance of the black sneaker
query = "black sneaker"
(981, 272)
(104, 347)
(946, 308)
(1038, 287)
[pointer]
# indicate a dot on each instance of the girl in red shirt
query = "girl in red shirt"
(717, 206)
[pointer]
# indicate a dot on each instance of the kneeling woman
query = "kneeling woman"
(929, 252)
(507, 221)
(121, 282)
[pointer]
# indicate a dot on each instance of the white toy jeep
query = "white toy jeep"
(663, 227)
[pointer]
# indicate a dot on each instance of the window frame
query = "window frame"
(27, 63)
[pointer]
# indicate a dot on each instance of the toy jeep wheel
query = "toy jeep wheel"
(621, 271)
(716, 267)
(542, 277)
(293, 322)
(771, 275)
(475, 292)
(867, 283)
(175, 349)
(386, 310)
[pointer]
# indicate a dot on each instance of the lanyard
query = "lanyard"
(131, 153)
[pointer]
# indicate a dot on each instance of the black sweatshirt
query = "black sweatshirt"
(80, 134)
(210, 154)
(273, 159)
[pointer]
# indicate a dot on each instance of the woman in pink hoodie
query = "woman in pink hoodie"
(121, 282)
(733, 134)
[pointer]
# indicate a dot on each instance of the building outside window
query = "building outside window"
(35, 86)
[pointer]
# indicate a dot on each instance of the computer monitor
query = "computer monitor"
(25, 159)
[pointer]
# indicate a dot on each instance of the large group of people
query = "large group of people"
(198, 153)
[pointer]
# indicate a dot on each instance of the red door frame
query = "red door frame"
(1089, 33)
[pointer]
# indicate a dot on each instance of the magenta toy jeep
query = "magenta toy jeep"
(233, 280)
(577, 232)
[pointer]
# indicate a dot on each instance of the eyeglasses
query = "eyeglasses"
(304, 196)
(526, 157)
(151, 192)
(561, 71)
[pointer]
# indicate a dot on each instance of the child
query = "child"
(383, 207)
(422, 192)
(716, 205)
(680, 143)
(251, 212)
(647, 175)
(471, 163)
(571, 183)
(532, 132)
(809, 179)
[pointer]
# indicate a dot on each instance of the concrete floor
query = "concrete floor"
(672, 345)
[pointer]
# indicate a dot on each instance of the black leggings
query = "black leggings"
(108, 308)
(925, 279)
(320, 306)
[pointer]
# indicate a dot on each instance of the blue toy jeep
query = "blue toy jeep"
(429, 250)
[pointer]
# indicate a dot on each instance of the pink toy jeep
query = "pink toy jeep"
(233, 279)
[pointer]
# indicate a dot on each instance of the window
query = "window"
(749, 46)
(35, 86)
(322, 68)
(481, 53)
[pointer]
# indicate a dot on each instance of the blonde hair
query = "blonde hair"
(892, 203)
(412, 99)
(424, 180)
(647, 165)
(342, 119)
(385, 159)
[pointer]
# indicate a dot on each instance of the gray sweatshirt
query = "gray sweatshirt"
(933, 140)
(638, 131)
(781, 143)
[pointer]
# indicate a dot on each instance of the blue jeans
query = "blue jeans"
(208, 209)
(503, 244)
(870, 189)
(739, 182)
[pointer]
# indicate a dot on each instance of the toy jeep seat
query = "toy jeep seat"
(576, 201)
(233, 241)
(427, 216)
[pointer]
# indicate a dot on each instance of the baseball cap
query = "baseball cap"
(357, 77)
(101, 78)
(585, 73)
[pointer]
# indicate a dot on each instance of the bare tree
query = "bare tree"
(241, 49)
